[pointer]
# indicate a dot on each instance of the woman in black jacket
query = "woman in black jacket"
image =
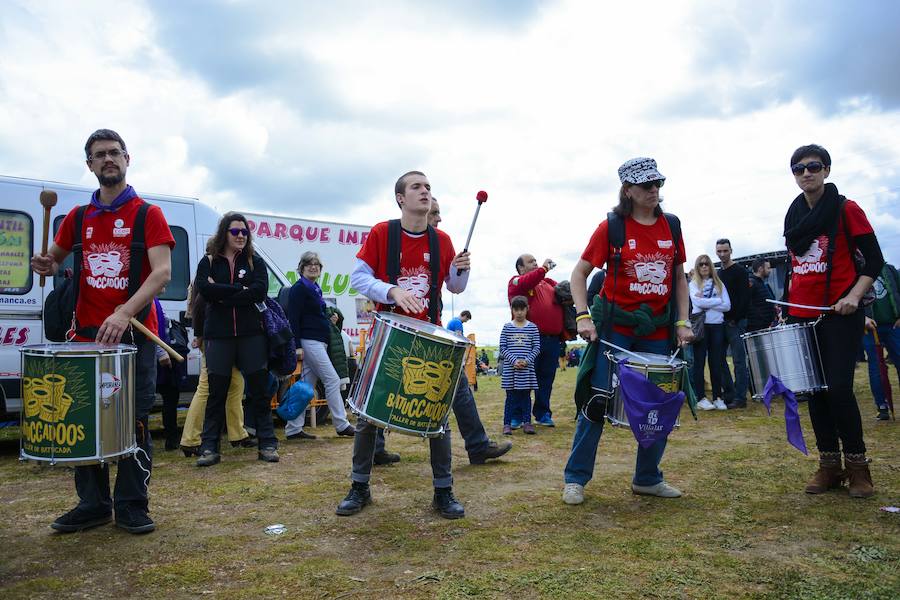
(234, 282)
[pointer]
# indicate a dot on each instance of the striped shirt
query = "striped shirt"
(519, 343)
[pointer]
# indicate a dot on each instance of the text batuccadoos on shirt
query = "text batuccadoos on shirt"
(106, 250)
(415, 273)
(645, 271)
(809, 271)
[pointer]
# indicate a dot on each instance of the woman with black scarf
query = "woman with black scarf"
(823, 231)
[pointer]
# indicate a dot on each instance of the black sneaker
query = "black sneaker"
(209, 458)
(358, 497)
(134, 520)
(735, 404)
(301, 435)
(883, 415)
(449, 506)
(493, 450)
(250, 441)
(268, 455)
(79, 519)
(349, 431)
(386, 458)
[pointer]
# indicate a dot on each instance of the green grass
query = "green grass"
(744, 528)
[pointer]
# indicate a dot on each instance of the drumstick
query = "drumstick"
(48, 201)
(628, 352)
(155, 339)
(819, 308)
(482, 198)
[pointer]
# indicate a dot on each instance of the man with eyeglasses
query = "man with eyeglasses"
(737, 282)
(823, 229)
(102, 314)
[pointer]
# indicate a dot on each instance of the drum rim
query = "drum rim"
(783, 327)
(441, 335)
(77, 349)
(678, 362)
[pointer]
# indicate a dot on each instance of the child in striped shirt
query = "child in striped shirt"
(520, 344)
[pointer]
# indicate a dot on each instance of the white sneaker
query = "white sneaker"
(573, 493)
(705, 404)
(661, 489)
(720, 405)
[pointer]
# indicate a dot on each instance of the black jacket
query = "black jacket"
(736, 280)
(761, 314)
(231, 301)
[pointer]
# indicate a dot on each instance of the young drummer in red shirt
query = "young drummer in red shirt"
(411, 296)
(817, 218)
(651, 263)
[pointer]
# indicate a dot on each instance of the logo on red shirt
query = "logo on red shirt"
(812, 260)
(651, 271)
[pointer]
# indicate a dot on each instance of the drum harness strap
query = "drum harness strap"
(136, 262)
(395, 235)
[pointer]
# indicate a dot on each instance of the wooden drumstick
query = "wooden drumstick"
(48, 201)
(155, 339)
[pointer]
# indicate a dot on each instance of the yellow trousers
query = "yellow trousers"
(234, 411)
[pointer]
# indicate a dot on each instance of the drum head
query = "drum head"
(647, 358)
(420, 327)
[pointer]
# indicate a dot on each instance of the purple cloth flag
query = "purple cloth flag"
(651, 412)
(775, 387)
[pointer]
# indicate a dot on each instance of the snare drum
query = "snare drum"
(408, 378)
(78, 403)
(791, 353)
(656, 368)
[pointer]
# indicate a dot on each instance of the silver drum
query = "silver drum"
(791, 353)
(78, 403)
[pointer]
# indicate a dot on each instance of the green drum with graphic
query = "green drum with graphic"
(662, 371)
(78, 403)
(409, 376)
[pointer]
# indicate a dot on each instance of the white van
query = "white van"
(22, 298)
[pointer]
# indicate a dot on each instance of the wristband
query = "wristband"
(582, 316)
(681, 323)
(584, 312)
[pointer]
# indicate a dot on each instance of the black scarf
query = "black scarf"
(802, 225)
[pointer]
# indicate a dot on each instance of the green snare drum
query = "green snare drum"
(408, 378)
(662, 372)
(78, 403)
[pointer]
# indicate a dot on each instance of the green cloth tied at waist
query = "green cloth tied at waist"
(643, 322)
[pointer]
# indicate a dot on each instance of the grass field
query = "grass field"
(744, 528)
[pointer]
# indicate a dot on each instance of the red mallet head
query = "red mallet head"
(481, 197)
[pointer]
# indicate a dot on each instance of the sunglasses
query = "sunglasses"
(236, 231)
(812, 166)
(649, 185)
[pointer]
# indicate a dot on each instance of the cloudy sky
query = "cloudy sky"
(313, 109)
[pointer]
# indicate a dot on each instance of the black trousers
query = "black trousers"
(834, 413)
(92, 482)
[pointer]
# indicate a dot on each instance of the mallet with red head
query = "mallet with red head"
(482, 198)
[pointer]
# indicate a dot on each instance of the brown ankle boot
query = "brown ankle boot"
(829, 476)
(861, 485)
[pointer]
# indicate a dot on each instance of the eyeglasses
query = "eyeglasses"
(236, 231)
(102, 154)
(704, 265)
(648, 185)
(812, 166)
(313, 264)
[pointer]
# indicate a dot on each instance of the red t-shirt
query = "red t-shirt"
(106, 243)
(415, 274)
(645, 271)
(808, 272)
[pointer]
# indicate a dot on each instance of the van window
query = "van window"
(177, 288)
(16, 242)
(181, 270)
(274, 283)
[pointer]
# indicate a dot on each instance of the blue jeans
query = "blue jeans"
(713, 346)
(580, 466)
(735, 390)
(545, 369)
(890, 341)
(517, 407)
